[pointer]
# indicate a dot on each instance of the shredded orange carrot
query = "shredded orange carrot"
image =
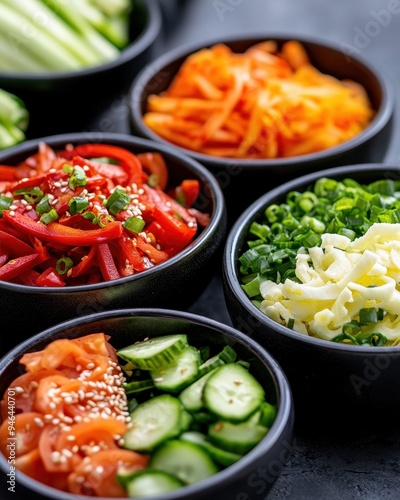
(263, 103)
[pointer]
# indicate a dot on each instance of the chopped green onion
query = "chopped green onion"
(368, 315)
(68, 169)
(5, 203)
(90, 216)
(153, 180)
(134, 224)
(104, 219)
(118, 201)
(64, 265)
(44, 205)
(77, 205)
(78, 178)
(31, 195)
(48, 217)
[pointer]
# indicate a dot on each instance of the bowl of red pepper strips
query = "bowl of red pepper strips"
(89, 225)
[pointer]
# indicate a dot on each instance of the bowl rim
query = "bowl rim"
(145, 39)
(378, 122)
(217, 216)
(284, 419)
(231, 283)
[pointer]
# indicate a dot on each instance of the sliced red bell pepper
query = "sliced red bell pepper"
(155, 256)
(8, 173)
(3, 258)
(50, 277)
(170, 232)
(154, 164)
(106, 262)
(127, 160)
(57, 233)
(85, 264)
(18, 266)
(187, 192)
(130, 253)
(166, 203)
(14, 246)
(27, 278)
(31, 182)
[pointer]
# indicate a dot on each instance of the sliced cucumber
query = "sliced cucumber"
(138, 385)
(154, 421)
(186, 420)
(180, 373)
(192, 396)
(149, 482)
(188, 461)
(232, 393)
(227, 355)
(267, 414)
(220, 456)
(154, 353)
(237, 438)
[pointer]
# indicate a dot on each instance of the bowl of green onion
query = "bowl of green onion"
(311, 271)
(64, 58)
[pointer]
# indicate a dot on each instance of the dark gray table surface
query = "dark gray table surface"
(319, 466)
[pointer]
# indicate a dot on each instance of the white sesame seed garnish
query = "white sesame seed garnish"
(38, 422)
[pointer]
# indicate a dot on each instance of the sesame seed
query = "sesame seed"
(12, 213)
(90, 366)
(52, 405)
(18, 389)
(38, 422)
(57, 184)
(71, 437)
(13, 207)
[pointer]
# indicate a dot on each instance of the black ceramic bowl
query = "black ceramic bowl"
(25, 310)
(333, 384)
(63, 101)
(251, 178)
(242, 480)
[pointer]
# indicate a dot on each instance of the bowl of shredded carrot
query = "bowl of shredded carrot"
(264, 103)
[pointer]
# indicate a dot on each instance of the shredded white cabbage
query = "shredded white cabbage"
(338, 279)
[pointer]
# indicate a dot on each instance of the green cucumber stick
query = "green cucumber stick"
(13, 110)
(8, 136)
(69, 12)
(46, 20)
(113, 8)
(31, 40)
(102, 24)
(13, 59)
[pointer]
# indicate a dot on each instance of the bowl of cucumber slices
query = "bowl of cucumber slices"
(156, 403)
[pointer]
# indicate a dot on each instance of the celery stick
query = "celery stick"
(34, 41)
(45, 19)
(13, 59)
(104, 25)
(113, 8)
(7, 138)
(13, 110)
(105, 48)
(16, 133)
